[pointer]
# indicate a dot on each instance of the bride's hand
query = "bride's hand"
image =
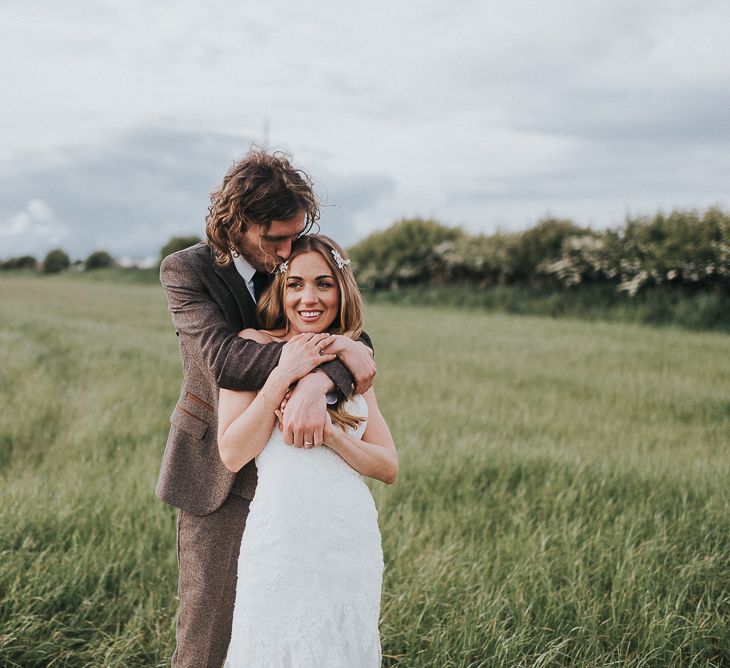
(357, 357)
(331, 430)
(302, 353)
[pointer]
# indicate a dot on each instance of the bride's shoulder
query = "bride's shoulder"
(369, 402)
(258, 335)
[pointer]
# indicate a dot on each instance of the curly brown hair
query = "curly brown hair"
(259, 188)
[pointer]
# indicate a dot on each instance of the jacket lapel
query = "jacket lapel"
(240, 292)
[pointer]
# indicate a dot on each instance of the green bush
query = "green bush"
(20, 262)
(684, 248)
(99, 260)
(482, 259)
(539, 245)
(504, 257)
(587, 258)
(177, 243)
(404, 253)
(56, 260)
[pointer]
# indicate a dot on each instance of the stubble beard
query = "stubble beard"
(256, 257)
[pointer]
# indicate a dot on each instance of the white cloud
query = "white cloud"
(19, 223)
(32, 228)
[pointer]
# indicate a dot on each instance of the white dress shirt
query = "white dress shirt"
(247, 272)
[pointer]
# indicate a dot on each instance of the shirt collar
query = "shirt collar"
(244, 268)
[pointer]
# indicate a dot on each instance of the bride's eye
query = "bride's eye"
(293, 284)
(325, 284)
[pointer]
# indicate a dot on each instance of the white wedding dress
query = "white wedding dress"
(311, 563)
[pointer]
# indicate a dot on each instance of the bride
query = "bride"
(310, 566)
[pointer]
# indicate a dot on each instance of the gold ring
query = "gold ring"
(308, 442)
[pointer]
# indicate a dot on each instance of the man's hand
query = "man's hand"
(305, 413)
(357, 357)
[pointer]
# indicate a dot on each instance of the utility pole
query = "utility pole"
(266, 134)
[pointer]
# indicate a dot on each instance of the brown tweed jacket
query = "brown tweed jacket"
(209, 305)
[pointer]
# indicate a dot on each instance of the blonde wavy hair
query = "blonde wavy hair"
(350, 317)
(256, 190)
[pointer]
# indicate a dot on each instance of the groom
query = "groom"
(261, 207)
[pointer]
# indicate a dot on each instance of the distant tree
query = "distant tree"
(177, 243)
(99, 259)
(20, 262)
(56, 260)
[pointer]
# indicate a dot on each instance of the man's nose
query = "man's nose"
(283, 249)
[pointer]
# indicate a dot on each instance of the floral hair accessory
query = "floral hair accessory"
(341, 262)
(283, 267)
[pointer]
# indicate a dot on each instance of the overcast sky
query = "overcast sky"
(118, 118)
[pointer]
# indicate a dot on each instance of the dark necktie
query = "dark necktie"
(261, 281)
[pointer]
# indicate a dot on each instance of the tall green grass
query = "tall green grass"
(563, 496)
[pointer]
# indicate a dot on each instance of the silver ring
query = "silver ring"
(308, 442)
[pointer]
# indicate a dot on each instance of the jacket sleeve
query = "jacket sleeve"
(234, 363)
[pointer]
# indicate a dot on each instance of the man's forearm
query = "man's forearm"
(318, 381)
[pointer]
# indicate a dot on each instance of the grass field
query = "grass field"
(563, 497)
